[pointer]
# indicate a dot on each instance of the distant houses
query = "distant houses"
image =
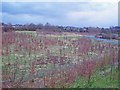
(108, 36)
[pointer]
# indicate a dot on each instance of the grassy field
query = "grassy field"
(31, 59)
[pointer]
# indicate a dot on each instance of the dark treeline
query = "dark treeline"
(49, 27)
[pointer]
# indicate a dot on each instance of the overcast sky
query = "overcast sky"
(101, 14)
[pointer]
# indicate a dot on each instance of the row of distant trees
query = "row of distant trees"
(20, 27)
(49, 27)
